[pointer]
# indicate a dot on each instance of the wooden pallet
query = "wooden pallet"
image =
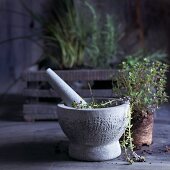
(42, 100)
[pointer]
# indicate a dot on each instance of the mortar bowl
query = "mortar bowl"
(94, 133)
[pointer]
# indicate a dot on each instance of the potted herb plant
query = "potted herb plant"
(144, 81)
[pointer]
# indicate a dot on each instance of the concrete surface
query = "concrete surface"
(43, 146)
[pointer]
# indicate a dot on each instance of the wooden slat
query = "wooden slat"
(72, 75)
(40, 111)
(40, 93)
(52, 94)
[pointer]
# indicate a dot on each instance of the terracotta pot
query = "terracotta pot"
(142, 130)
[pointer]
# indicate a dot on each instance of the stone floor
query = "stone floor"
(42, 145)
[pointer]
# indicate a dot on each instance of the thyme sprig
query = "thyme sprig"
(103, 104)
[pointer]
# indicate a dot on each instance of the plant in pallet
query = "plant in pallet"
(139, 55)
(64, 35)
(144, 82)
(71, 39)
(103, 45)
(95, 41)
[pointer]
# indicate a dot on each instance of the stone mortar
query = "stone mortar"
(94, 133)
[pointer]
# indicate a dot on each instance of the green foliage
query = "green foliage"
(70, 39)
(63, 34)
(141, 54)
(144, 82)
(143, 79)
(65, 31)
(103, 104)
(103, 40)
(127, 143)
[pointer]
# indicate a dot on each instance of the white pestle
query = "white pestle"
(67, 94)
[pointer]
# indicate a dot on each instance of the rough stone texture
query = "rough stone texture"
(94, 133)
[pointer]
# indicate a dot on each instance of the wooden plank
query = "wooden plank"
(40, 111)
(72, 75)
(83, 92)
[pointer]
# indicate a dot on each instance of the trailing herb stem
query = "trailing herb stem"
(91, 92)
(127, 143)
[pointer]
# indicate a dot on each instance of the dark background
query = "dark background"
(141, 23)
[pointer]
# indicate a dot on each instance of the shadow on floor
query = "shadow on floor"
(34, 152)
(11, 107)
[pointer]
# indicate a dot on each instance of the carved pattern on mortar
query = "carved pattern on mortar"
(97, 130)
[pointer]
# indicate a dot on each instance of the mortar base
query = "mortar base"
(95, 153)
